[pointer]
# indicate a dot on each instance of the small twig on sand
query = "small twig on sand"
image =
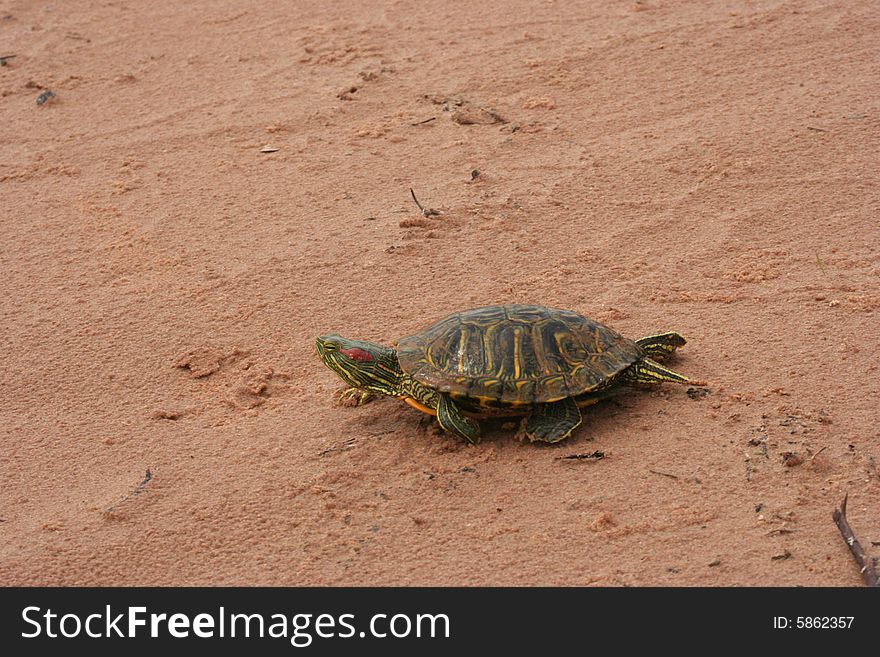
(867, 564)
(433, 118)
(426, 212)
(819, 452)
(6, 58)
(663, 474)
(597, 455)
(137, 491)
(347, 445)
(809, 127)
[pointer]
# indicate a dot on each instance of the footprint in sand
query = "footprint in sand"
(245, 385)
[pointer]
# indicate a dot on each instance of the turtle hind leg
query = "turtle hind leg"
(647, 372)
(661, 346)
(451, 418)
(554, 421)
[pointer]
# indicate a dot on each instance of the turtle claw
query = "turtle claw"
(352, 397)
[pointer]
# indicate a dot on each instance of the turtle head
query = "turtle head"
(361, 364)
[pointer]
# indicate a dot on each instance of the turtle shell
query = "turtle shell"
(516, 354)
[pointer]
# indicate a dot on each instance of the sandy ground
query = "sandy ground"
(655, 165)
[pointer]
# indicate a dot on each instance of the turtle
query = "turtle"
(516, 359)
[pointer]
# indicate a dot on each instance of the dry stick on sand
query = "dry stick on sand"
(596, 456)
(425, 212)
(663, 474)
(148, 477)
(867, 564)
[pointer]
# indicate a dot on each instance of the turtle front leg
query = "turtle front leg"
(453, 420)
(554, 421)
(354, 396)
(647, 372)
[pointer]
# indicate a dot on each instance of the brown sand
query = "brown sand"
(662, 165)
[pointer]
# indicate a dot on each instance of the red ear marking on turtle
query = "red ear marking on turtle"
(357, 354)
